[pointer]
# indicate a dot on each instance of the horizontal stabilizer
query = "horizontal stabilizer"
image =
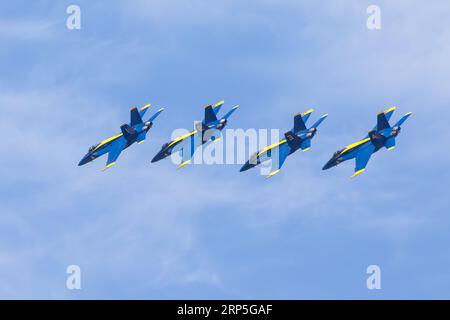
(305, 145)
(390, 143)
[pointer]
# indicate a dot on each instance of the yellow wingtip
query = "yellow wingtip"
(148, 105)
(270, 175)
(219, 103)
(306, 149)
(140, 142)
(183, 164)
(308, 111)
(109, 166)
(357, 173)
(390, 148)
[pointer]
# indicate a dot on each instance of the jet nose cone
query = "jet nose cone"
(83, 161)
(328, 165)
(246, 166)
(158, 157)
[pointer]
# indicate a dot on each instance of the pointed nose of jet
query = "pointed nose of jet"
(331, 163)
(158, 157)
(85, 160)
(327, 166)
(246, 166)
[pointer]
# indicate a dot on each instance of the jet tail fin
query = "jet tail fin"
(299, 124)
(135, 117)
(382, 122)
(129, 133)
(403, 119)
(210, 115)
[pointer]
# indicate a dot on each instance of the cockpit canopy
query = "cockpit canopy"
(92, 148)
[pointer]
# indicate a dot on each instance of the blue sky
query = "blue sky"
(143, 230)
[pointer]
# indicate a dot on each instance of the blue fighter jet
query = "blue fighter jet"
(297, 138)
(136, 131)
(383, 135)
(205, 131)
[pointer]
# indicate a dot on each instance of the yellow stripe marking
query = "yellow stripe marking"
(109, 166)
(146, 106)
(308, 111)
(357, 173)
(354, 145)
(270, 175)
(219, 104)
(390, 109)
(182, 138)
(108, 140)
(306, 149)
(183, 164)
(271, 147)
(390, 148)
(142, 141)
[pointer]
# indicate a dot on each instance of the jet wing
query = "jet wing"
(362, 158)
(114, 152)
(277, 162)
(187, 151)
